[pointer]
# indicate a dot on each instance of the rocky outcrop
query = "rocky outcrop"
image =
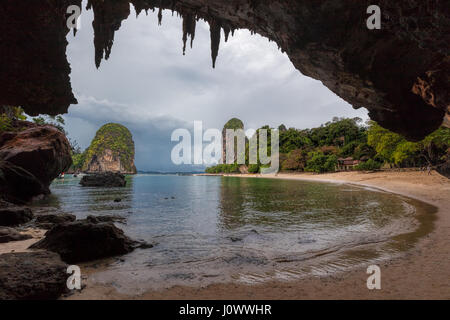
(100, 219)
(48, 221)
(38, 41)
(13, 216)
(32, 275)
(399, 73)
(106, 161)
(30, 158)
(232, 124)
(10, 234)
(111, 150)
(84, 241)
(106, 179)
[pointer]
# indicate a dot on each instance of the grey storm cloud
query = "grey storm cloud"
(150, 87)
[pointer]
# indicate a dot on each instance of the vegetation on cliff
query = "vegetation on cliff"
(318, 149)
(114, 137)
(234, 124)
(8, 116)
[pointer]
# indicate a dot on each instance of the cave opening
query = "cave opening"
(148, 84)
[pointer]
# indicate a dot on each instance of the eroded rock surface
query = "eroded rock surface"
(85, 241)
(32, 275)
(13, 216)
(48, 221)
(30, 158)
(100, 219)
(399, 73)
(111, 150)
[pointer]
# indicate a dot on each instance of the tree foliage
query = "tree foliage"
(397, 151)
(318, 149)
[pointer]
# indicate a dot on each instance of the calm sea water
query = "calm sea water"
(216, 229)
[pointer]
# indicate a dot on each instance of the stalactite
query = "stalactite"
(189, 24)
(226, 31)
(108, 17)
(215, 28)
(174, 2)
(160, 16)
(193, 26)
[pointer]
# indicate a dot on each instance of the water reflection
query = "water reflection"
(286, 205)
(215, 229)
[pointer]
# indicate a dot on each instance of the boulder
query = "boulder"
(12, 216)
(10, 234)
(105, 179)
(100, 219)
(48, 221)
(32, 275)
(85, 241)
(31, 157)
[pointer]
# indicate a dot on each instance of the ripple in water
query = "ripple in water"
(219, 229)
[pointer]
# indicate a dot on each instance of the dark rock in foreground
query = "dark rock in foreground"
(84, 241)
(32, 156)
(32, 275)
(14, 216)
(49, 220)
(106, 179)
(9, 234)
(100, 219)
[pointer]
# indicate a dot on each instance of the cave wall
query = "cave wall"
(399, 73)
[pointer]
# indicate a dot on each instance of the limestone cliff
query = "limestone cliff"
(399, 73)
(112, 150)
(233, 124)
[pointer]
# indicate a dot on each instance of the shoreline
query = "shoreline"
(421, 273)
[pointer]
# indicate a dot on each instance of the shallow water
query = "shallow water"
(217, 229)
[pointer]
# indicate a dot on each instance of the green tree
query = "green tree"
(319, 162)
(383, 141)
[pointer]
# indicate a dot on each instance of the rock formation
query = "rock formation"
(84, 241)
(32, 275)
(31, 156)
(48, 221)
(106, 179)
(112, 150)
(99, 219)
(10, 234)
(12, 216)
(232, 124)
(399, 73)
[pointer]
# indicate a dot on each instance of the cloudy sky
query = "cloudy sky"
(150, 87)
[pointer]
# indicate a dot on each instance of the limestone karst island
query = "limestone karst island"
(111, 150)
(251, 151)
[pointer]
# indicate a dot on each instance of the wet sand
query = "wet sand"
(22, 246)
(422, 273)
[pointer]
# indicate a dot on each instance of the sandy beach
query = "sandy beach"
(422, 273)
